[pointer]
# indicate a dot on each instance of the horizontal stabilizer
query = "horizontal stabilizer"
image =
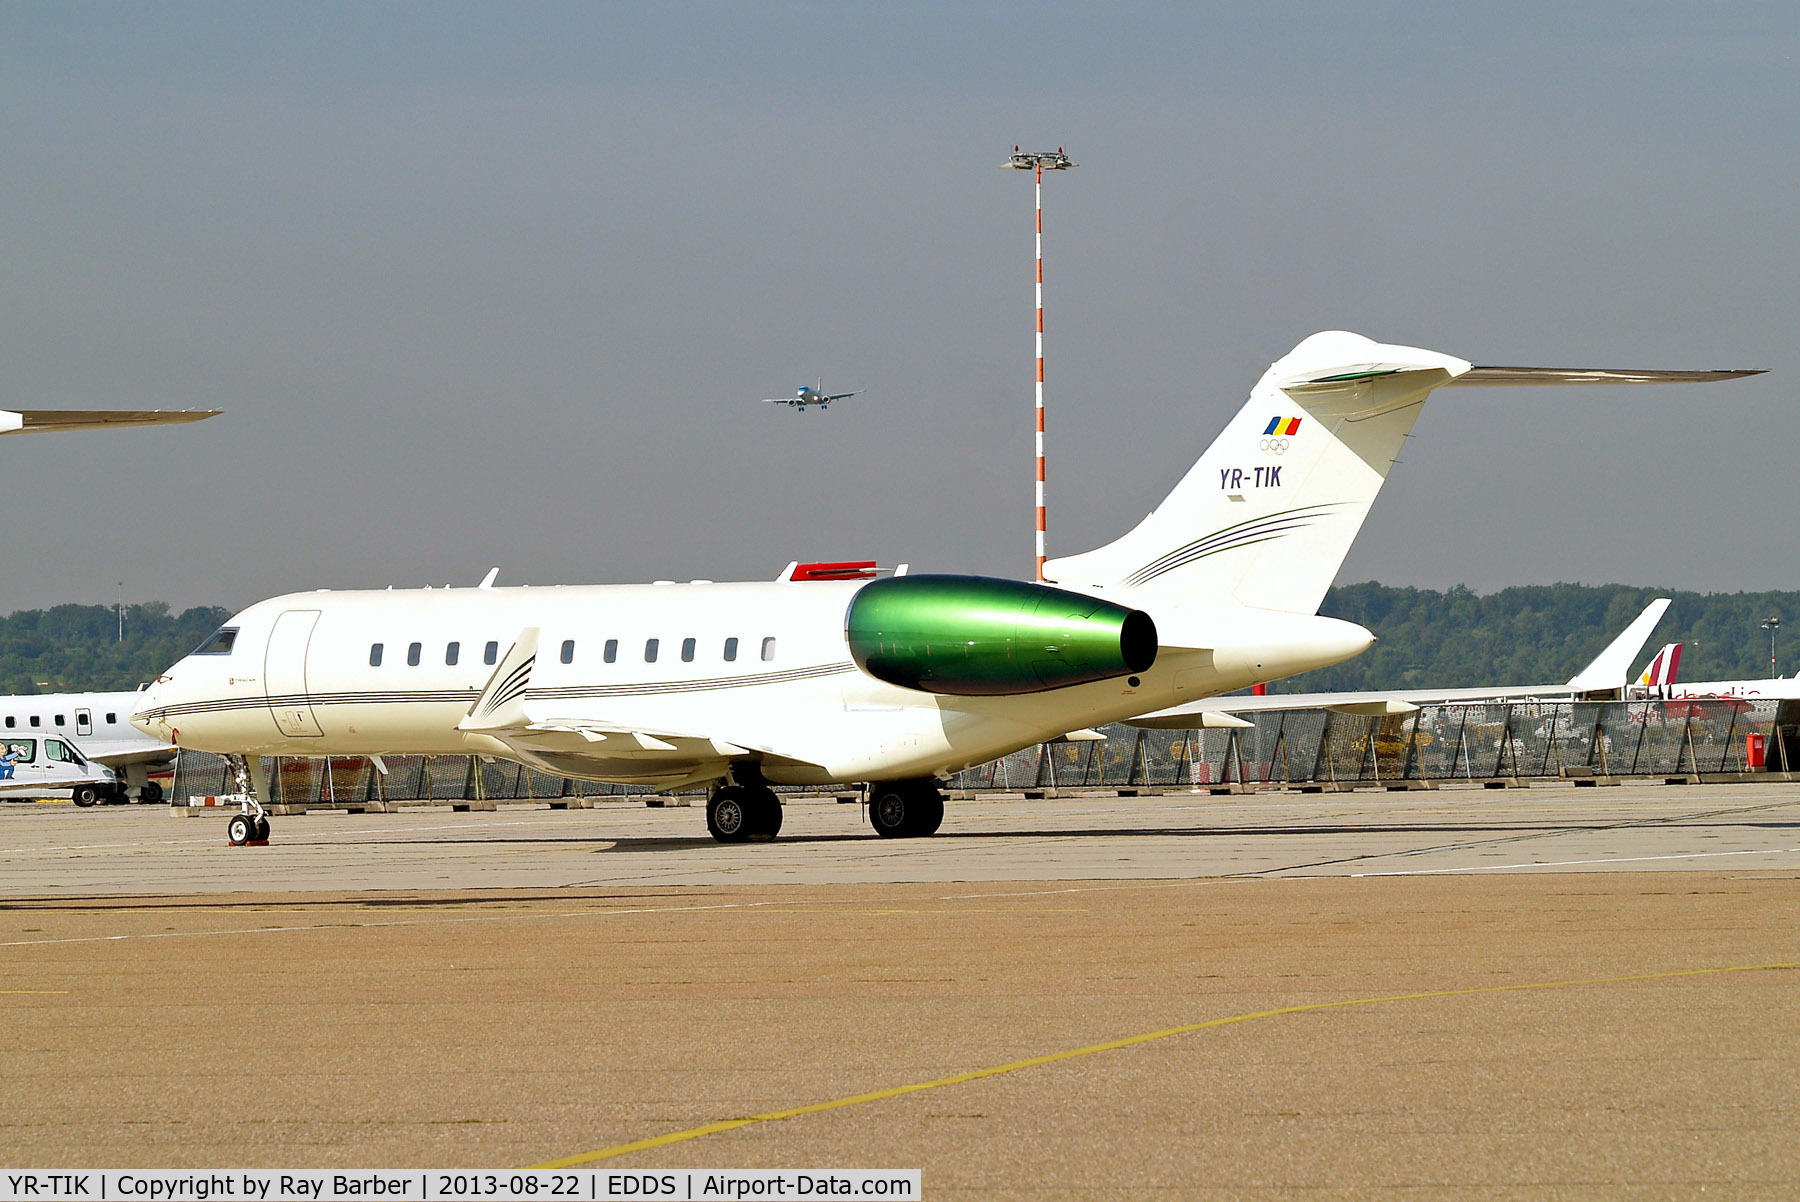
(1509, 376)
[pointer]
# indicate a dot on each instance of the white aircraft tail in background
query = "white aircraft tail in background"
(1610, 671)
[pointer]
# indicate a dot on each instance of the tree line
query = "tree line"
(1544, 634)
(78, 648)
(1535, 634)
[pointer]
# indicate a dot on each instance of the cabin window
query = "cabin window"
(412, 654)
(768, 649)
(59, 719)
(11, 721)
(112, 719)
(36, 721)
(650, 646)
(568, 651)
(452, 651)
(490, 653)
(611, 654)
(730, 651)
(687, 651)
(220, 643)
(374, 655)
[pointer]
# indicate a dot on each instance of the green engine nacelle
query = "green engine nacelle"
(976, 636)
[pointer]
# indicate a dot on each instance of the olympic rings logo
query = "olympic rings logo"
(1274, 446)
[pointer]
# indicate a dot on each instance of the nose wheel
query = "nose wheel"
(251, 827)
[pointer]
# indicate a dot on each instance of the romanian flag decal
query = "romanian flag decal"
(1283, 425)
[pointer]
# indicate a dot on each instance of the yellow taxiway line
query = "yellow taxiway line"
(675, 1137)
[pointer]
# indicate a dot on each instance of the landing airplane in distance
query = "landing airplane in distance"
(59, 421)
(805, 397)
(891, 681)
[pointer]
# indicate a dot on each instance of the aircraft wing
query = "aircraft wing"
(1607, 672)
(145, 754)
(54, 421)
(838, 396)
(781, 400)
(1200, 715)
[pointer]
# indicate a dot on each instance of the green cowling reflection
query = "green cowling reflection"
(975, 636)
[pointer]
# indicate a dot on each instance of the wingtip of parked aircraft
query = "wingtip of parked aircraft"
(51, 421)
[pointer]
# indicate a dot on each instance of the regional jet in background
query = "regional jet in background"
(60, 421)
(99, 725)
(1607, 678)
(805, 397)
(890, 681)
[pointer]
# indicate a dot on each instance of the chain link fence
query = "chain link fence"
(1496, 741)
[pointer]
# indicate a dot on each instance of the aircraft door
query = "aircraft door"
(84, 722)
(284, 673)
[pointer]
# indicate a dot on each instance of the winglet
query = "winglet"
(501, 705)
(1610, 669)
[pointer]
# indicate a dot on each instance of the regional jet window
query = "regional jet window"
(374, 655)
(730, 651)
(112, 719)
(451, 652)
(687, 651)
(36, 721)
(768, 649)
(59, 719)
(11, 721)
(650, 650)
(412, 654)
(611, 654)
(568, 651)
(490, 653)
(220, 643)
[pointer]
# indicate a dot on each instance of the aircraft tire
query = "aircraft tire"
(150, 793)
(730, 814)
(765, 813)
(906, 809)
(240, 830)
(928, 814)
(261, 830)
(85, 795)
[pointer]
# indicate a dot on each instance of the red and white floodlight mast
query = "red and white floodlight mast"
(1040, 162)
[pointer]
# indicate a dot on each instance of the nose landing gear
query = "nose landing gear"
(251, 827)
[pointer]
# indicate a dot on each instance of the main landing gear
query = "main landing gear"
(905, 809)
(251, 826)
(741, 813)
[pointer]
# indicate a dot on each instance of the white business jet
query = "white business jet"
(890, 681)
(99, 724)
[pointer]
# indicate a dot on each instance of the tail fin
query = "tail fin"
(1662, 668)
(1268, 513)
(1607, 672)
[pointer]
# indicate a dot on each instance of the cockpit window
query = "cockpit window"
(220, 643)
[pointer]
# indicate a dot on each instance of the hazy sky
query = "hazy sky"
(501, 285)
